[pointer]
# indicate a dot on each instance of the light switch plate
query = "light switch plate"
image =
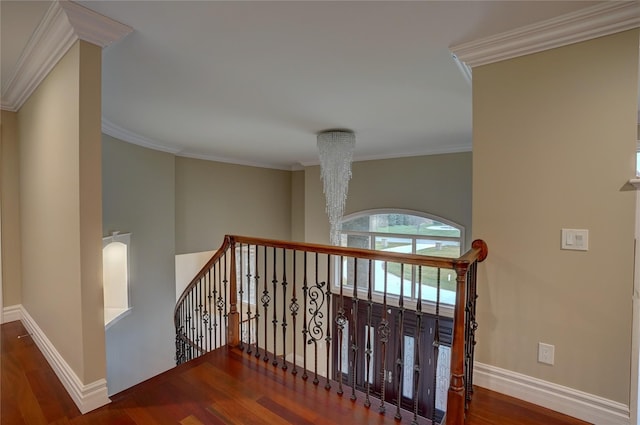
(575, 239)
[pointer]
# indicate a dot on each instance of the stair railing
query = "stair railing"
(356, 318)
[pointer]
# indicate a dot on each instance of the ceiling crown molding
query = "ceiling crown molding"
(63, 24)
(128, 136)
(585, 24)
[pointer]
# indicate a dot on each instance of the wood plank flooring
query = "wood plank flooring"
(224, 387)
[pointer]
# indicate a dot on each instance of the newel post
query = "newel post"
(456, 393)
(233, 330)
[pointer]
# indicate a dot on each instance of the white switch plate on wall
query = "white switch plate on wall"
(575, 239)
(546, 353)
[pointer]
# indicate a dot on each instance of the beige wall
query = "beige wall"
(10, 203)
(554, 145)
(297, 205)
(435, 184)
(139, 197)
(214, 199)
(60, 210)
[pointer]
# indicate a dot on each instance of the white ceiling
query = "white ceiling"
(254, 82)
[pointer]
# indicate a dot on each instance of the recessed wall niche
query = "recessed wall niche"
(115, 272)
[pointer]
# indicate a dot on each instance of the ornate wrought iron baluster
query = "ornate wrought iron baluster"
(275, 308)
(472, 326)
(354, 335)
(255, 294)
(284, 308)
(293, 308)
(327, 384)
(417, 349)
(266, 299)
(305, 289)
(341, 320)
(189, 324)
(217, 295)
(316, 323)
(368, 349)
(240, 260)
(249, 318)
(225, 314)
(400, 358)
(436, 347)
(203, 319)
(207, 310)
(384, 331)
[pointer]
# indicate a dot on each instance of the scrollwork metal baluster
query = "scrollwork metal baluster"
(275, 308)
(293, 308)
(209, 311)
(472, 326)
(416, 351)
(225, 314)
(265, 299)
(327, 384)
(384, 331)
(368, 351)
(341, 320)
(316, 323)
(217, 287)
(305, 289)
(255, 294)
(249, 318)
(400, 358)
(240, 273)
(436, 347)
(284, 309)
(354, 335)
(200, 314)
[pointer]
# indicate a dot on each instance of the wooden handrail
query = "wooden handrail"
(226, 243)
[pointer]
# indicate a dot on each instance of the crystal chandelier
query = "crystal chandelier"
(336, 154)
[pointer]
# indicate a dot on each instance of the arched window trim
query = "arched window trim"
(364, 213)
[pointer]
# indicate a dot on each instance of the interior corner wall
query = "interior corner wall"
(214, 199)
(10, 204)
(139, 197)
(553, 147)
(435, 184)
(60, 189)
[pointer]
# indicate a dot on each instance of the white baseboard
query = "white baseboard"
(11, 313)
(581, 405)
(87, 397)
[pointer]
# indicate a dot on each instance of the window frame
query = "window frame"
(446, 309)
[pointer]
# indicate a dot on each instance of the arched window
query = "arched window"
(409, 232)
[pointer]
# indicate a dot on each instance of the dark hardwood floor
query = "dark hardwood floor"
(224, 387)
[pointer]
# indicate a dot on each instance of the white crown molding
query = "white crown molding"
(93, 27)
(585, 24)
(464, 68)
(581, 405)
(128, 136)
(62, 25)
(87, 397)
(424, 152)
(187, 154)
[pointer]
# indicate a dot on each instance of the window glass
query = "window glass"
(407, 367)
(404, 232)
